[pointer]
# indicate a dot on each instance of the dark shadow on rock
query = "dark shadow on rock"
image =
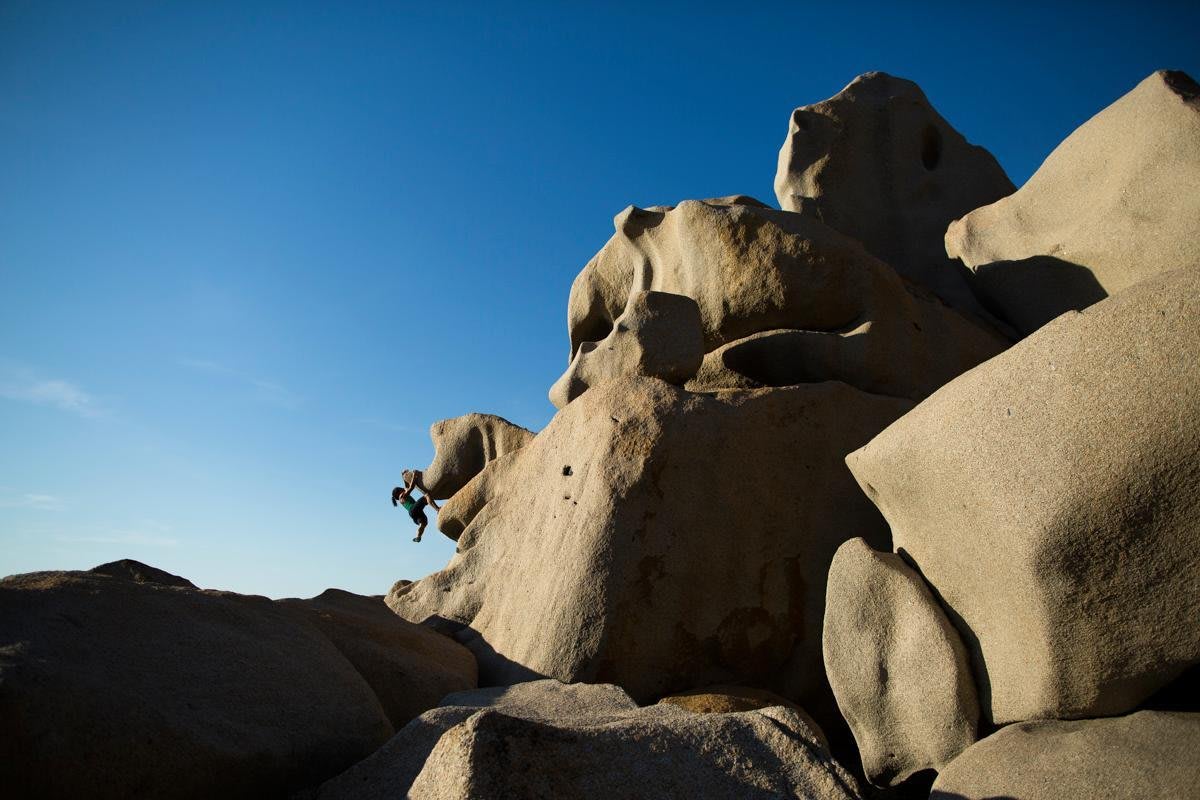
(940, 795)
(979, 671)
(446, 627)
(1031, 292)
(494, 669)
(1181, 694)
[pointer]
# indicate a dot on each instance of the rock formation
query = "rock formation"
(1115, 203)
(1050, 497)
(410, 668)
(141, 573)
(897, 667)
(594, 553)
(724, 699)
(783, 299)
(879, 164)
(391, 770)
(463, 445)
(119, 687)
(544, 738)
(658, 335)
(1150, 755)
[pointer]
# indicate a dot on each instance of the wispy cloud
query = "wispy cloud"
(22, 385)
(148, 533)
(267, 392)
(10, 498)
(132, 538)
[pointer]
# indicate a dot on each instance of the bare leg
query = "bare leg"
(420, 531)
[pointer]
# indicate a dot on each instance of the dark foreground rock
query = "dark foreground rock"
(112, 687)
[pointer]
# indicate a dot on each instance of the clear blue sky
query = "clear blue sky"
(250, 251)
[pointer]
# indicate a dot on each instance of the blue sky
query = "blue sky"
(250, 251)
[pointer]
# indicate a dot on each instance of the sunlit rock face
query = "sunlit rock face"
(878, 163)
(1118, 201)
(783, 299)
(1050, 498)
(661, 540)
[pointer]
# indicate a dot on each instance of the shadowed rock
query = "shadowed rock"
(1050, 497)
(114, 688)
(897, 667)
(409, 667)
(879, 164)
(141, 573)
(1115, 203)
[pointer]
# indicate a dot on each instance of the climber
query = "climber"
(415, 508)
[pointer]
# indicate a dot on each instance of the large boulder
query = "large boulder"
(1116, 202)
(723, 699)
(658, 335)
(783, 299)
(390, 771)
(661, 540)
(141, 573)
(463, 445)
(659, 751)
(409, 667)
(1051, 496)
(110, 687)
(1150, 755)
(879, 164)
(898, 668)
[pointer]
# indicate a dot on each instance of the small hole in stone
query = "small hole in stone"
(567, 470)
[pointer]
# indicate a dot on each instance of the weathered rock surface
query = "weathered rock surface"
(1052, 499)
(463, 445)
(724, 699)
(659, 751)
(389, 772)
(141, 573)
(879, 164)
(897, 667)
(661, 540)
(658, 335)
(1115, 203)
(1149, 755)
(409, 667)
(834, 312)
(114, 688)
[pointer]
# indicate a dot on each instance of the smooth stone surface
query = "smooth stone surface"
(877, 162)
(463, 446)
(1114, 204)
(898, 668)
(1051, 496)
(1150, 755)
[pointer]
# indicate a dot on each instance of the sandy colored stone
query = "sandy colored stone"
(389, 772)
(661, 540)
(1150, 755)
(898, 668)
(661, 751)
(463, 445)
(1115, 203)
(725, 699)
(1052, 499)
(783, 299)
(114, 688)
(409, 667)
(141, 573)
(879, 164)
(658, 335)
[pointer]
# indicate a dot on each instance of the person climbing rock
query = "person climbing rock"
(402, 495)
